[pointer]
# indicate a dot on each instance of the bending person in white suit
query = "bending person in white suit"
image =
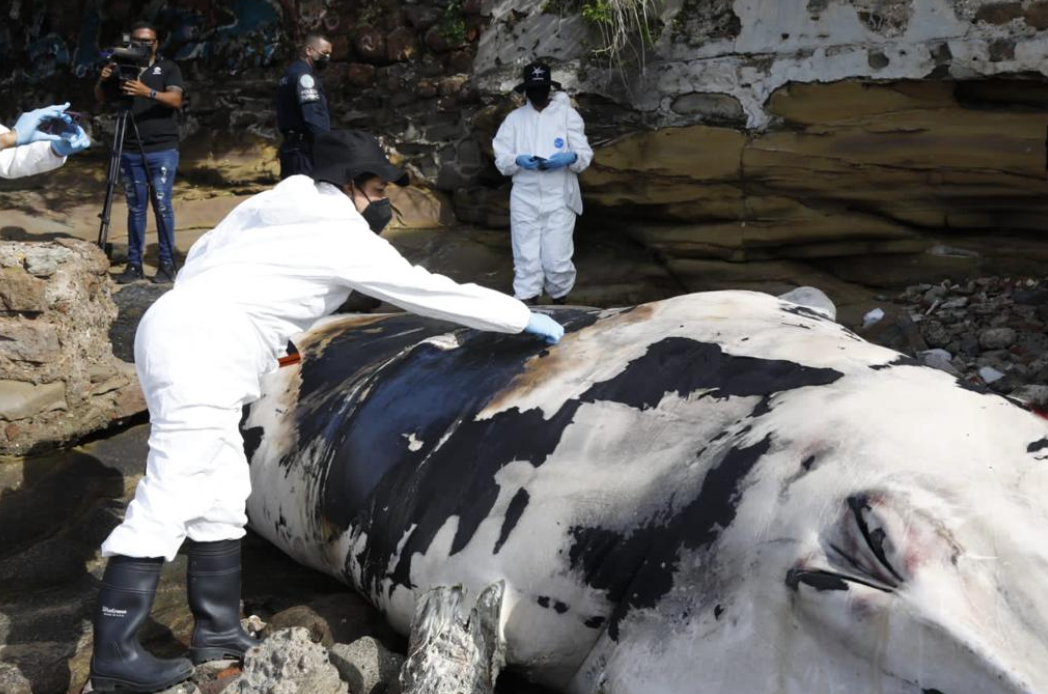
(543, 146)
(27, 150)
(277, 263)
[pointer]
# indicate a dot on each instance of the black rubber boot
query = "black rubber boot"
(213, 584)
(118, 660)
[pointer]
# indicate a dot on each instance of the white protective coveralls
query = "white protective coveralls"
(28, 160)
(543, 204)
(272, 267)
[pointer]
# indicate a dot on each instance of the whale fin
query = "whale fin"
(450, 652)
(812, 298)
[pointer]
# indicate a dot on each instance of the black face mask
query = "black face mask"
(148, 45)
(378, 214)
(321, 62)
(538, 96)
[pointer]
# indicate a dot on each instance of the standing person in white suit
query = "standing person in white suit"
(276, 264)
(27, 150)
(543, 146)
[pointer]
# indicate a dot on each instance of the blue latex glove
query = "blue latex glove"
(561, 159)
(71, 143)
(526, 161)
(28, 124)
(545, 327)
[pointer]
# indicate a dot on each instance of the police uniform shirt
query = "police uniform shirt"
(301, 103)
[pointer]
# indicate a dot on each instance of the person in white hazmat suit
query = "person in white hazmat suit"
(27, 150)
(543, 146)
(272, 267)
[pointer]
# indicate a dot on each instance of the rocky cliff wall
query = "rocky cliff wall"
(882, 141)
(717, 60)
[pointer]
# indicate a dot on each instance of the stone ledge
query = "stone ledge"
(20, 292)
(27, 341)
(20, 400)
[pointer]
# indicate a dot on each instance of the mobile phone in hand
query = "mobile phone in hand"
(543, 164)
(58, 126)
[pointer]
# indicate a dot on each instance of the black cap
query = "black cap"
(537, 75)
(339, 156)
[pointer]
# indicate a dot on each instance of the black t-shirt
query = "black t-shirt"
(157, 124)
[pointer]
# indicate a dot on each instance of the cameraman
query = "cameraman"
(28, 149)
(155, 99)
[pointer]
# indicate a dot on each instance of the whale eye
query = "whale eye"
(873, 531)
(863, 545)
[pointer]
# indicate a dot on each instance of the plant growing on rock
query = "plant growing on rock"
(626, 27)
(453, 25)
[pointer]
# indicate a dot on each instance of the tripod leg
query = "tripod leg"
(115, 152)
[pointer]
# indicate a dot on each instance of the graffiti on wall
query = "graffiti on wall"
(41, 39)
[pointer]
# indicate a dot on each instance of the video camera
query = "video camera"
(128, 60)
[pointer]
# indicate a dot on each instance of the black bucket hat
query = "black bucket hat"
(339, 156)
(537, 75)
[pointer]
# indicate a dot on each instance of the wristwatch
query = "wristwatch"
(152, 95)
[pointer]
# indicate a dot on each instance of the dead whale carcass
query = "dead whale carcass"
(721, 492)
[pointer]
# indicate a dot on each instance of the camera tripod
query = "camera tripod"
(116, 150)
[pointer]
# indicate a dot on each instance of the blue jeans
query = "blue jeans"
(162, 167)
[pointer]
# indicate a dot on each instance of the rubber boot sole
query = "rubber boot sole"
(110, 684)
(199, 656)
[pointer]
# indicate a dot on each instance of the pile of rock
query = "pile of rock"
(59, 379)
(292, 660)
(989, 331)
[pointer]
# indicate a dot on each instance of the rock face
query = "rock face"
(852, 138)
(59, 379)
(867, 182)
(724, 60)
(884, 142)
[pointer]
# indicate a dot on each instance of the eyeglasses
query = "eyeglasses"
(143, 42)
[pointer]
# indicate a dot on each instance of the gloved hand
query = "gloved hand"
(545, 327)
(28, 124)
(71, 143)
(561, 159)
(526, 161)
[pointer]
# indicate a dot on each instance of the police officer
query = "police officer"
(302, 109)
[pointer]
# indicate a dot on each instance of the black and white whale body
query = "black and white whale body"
(721, 492)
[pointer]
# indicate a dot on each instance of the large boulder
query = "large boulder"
(289, 662)
(368, 666)
(59, 379)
